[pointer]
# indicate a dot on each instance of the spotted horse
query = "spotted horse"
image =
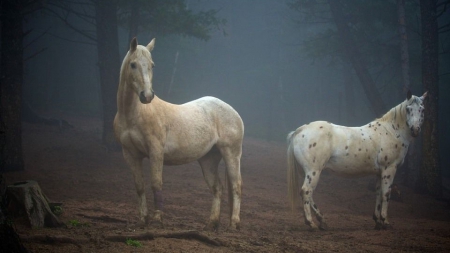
(378, 148)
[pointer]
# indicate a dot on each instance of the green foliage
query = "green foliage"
(373, 25)
(166, 17)
(77, 223)
(134, 243)
(57, 210)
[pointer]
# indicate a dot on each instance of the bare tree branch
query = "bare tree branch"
(84, 15)
(35, 54)
(64, 19)
(444, 27)
(74, 41)
(443, 3)
(36, 39)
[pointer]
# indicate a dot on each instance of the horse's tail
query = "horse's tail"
(293, 170)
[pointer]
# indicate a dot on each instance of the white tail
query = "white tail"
(292, 173)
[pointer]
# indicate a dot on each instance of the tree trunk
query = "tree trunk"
(109, 66)
(134, 19)
(411, 167)
(28, 196)
(351, 49)
(430, 179)
(403, 47)
(11, 67)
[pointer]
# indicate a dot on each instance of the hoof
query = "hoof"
(156, 221)
(138, 225)
(156, 224)
(323, 226)
(380, 226)
(387, 227)
(212, 226)
(234, 227)
(313, 228)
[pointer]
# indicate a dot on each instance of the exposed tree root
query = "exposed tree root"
(47, 239)
(190, 235)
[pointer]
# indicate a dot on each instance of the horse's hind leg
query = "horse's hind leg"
(309, 185)
(209, 164)
(232, 157)
(319, 215)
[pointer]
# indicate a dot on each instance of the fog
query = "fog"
(256, 64)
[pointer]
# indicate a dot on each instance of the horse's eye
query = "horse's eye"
(133, 65)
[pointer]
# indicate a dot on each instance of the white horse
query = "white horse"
(206, 130)
(376, 148)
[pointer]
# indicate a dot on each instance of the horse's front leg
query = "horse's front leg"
(377, 212)
(135, 164)
(156, 168)
(386, 180)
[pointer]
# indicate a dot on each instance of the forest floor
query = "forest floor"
(99, 204)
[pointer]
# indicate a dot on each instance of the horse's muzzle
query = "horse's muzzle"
(146, 99)
(415, 131)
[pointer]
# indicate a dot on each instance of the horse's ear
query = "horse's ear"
(408, 95)
(133, 45)
(424, 95)
(151, 45)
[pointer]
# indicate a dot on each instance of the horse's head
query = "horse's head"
(140, 70)
(414, 112)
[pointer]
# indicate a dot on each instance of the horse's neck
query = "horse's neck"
(127, 101)
(129, 108)
(395, 122)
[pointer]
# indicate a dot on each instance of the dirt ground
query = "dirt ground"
(97, 190)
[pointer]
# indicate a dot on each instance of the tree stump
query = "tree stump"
(28, 196)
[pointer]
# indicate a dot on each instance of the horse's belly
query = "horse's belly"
(177, 159)
(177, 154)
(351, 167)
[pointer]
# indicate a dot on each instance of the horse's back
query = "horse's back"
(331, 134)
(223, 116)
(214, 105)
(316, 130)
(312, 138)
(196, 126)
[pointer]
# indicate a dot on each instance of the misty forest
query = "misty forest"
(279, 63)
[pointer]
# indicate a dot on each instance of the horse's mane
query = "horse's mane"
(398, 113)
(395, 114)
(141, 51)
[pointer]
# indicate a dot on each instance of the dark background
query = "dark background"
(268, 61)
